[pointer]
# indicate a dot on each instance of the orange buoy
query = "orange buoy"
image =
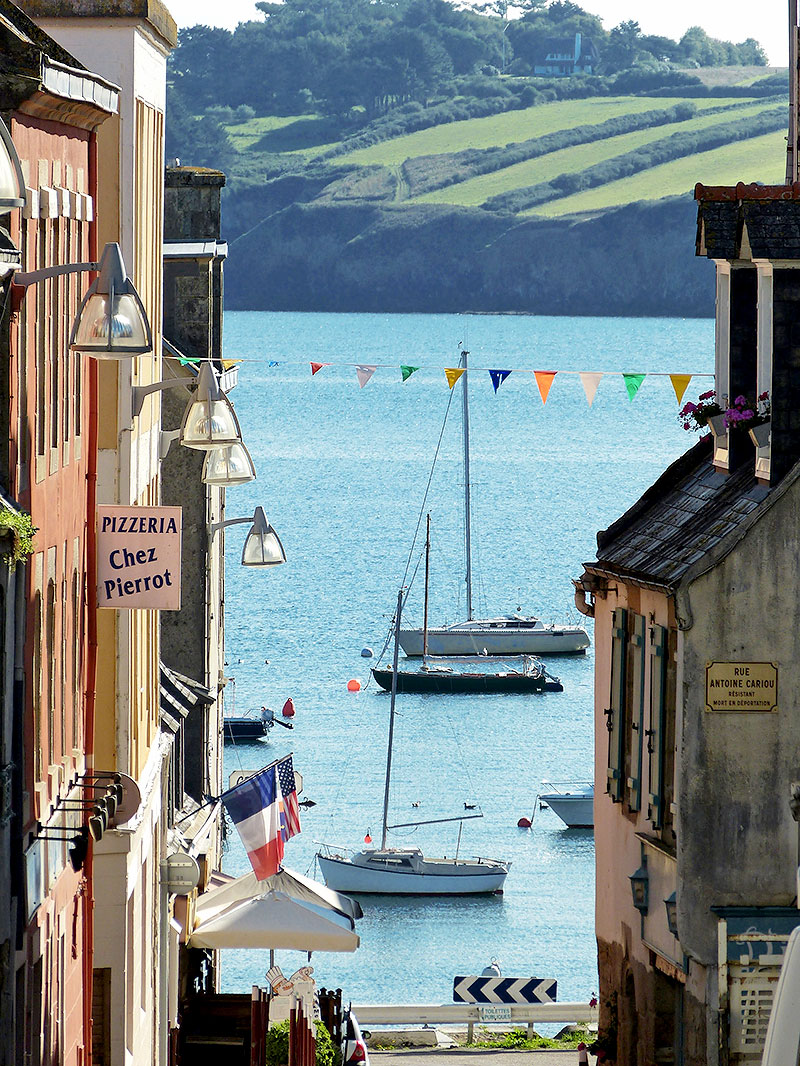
(367, 838)
(353, 685)
(524, 823)
(288, 708)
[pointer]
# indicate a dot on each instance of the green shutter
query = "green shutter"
(655, 734)
(615, 714)
(637, 642)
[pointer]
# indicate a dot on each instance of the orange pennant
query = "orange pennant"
(544, 379)
(453, 374)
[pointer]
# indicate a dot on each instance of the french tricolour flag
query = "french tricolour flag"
(255, 807)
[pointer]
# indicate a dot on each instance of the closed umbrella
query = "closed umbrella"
(273, 919)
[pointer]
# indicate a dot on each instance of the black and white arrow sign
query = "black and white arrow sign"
(504, 990)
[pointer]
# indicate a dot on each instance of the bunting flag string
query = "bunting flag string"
(453, 374)
(590, 380)
(544, 379)
(364, 373)
(498, 377)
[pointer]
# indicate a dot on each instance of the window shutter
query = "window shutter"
(615, 714)
(637, 711)
(655, 734)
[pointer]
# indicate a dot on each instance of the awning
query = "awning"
(276, 920)
(293, 884)
(177, 696)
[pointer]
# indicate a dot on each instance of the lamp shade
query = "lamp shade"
(228, 466)
(209, 420)
(111, 322)
(263, 545)
(12, 183)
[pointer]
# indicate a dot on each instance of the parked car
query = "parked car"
(354, 1047)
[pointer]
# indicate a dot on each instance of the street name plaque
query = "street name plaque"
(741, 686)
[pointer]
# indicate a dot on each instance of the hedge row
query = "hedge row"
(649, 155)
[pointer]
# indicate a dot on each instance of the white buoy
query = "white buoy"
(366, 653)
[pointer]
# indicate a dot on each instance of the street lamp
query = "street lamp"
(640, 887)
(263, 545)
(671, 905)
(210, 420)
(228, 466)
(111, 322)
(12, 183)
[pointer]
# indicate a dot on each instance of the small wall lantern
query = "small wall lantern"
(640, 887)
(671, 905)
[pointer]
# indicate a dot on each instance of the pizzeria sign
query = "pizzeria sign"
(741, 686)
(139, 557)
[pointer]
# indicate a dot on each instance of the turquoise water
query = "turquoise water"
(341, 475)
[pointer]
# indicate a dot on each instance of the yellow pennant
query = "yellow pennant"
(453, 374)
(544, 379)
(680, 383)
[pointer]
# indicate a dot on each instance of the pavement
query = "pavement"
(475, 1057)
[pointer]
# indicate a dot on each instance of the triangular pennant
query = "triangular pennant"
(453, 374)
(317, 366)
(498, 377)
(633, 382)
(590, 380)
(273, 362)
(680, 383)
(407, 371)
(544, 379)
(364, 373)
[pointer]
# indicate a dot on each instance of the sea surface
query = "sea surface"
(342, 475)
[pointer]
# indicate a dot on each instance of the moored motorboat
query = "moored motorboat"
(250, 726)
(572, 801)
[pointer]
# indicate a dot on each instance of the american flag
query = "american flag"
(290, 812)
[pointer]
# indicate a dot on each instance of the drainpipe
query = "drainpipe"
(584, 599)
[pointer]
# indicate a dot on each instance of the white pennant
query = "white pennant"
(364, 373)
(590, 381)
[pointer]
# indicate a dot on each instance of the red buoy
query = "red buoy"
(368, 838)
(353, 685)
(524, 823)
(288, 708)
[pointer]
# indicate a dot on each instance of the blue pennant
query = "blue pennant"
(498, 377)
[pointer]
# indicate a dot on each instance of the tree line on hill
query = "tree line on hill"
(357, 61)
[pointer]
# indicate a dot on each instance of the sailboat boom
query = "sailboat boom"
(435, 821)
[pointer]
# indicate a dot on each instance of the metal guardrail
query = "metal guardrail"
(469, 1014)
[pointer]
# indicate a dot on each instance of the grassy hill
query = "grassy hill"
(557, 160)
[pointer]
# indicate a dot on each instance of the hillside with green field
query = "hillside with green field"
(417, 172)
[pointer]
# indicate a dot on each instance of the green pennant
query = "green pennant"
(407, 371)
(633, 382)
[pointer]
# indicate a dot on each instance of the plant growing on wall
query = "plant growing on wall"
(22, 531)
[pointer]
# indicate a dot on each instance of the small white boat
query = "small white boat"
(511, 634)
(572, 801)
(405, 871)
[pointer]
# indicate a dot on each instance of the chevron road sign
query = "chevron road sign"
(504, 990)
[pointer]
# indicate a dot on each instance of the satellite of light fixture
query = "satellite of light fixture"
(228, 466)
(263, 545)
(12, 182)
(209, 420)
(111, 322)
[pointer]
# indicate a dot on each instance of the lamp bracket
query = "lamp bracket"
(140, 392)
(165, 441)
(230, 522)
(33, 277)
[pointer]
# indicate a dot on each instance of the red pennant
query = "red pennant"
(317, 366)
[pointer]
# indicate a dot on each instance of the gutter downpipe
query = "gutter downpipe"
(91, 627)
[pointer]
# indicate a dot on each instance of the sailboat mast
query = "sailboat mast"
(467, 522)
(391, 717)
(427, 579)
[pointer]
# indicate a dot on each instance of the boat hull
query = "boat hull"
(243, 729)
(576, 811)
(546, 641)
(473, 683)
(344, 876)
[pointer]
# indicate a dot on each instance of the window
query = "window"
(625, 713)
(37, 686)
(50, 639)
(661, 734)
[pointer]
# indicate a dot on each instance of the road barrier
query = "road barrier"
(468, 1014)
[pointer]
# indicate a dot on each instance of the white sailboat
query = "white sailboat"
(513, 634)
(406, 871)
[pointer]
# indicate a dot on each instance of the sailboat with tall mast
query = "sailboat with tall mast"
(407, 871)
(513, 634)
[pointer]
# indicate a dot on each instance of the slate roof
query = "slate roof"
(681, 518)
(769, 215)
